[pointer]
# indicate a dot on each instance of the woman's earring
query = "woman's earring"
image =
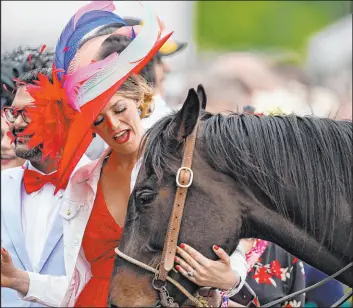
(94, 135)
(139, 110)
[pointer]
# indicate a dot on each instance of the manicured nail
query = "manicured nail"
(215, 247)
(182, 246)
(177, 268)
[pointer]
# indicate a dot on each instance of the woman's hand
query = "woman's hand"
(12, 277)
(206, 272)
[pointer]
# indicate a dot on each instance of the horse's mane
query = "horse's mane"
(295, 161)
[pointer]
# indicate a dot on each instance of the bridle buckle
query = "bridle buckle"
(190, 179)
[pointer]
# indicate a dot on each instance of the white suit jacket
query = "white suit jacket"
(52, 258)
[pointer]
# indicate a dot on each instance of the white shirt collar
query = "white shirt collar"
(31, 167)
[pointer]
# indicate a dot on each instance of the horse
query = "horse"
(284, 179)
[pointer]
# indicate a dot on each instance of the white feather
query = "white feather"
(125, 62)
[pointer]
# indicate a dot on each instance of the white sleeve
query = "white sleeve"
(239, 265)
(46, 289)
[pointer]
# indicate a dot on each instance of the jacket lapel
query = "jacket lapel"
(56, 231)
(11, 209)
(54, 236)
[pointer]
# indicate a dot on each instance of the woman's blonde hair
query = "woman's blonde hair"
(137, 88)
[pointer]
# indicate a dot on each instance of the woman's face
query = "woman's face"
(119, 125)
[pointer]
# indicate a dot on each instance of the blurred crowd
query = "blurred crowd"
(239, 81)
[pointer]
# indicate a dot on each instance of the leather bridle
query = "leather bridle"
(184, 179)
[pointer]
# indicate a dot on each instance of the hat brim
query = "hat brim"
(80, 132)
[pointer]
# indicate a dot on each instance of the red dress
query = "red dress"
(101, 236)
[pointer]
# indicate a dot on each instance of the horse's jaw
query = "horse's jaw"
(130, 289)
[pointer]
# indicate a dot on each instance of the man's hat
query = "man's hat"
(170, 47)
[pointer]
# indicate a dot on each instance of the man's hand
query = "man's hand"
(12, 277)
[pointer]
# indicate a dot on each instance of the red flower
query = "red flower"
(275, 269)
(50, 115)
(263, 276)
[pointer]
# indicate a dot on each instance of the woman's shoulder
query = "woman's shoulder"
(86, 167)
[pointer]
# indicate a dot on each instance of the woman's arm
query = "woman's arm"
(43, 289)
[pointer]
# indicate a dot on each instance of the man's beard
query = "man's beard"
(32, 154)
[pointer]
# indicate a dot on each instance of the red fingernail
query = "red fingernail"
(182, 246)
(177, 267)
(215, 247)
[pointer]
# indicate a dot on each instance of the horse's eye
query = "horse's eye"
(146, 196)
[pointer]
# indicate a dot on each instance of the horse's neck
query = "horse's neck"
(272, 226)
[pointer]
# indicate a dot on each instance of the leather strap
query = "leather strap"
(184, 179)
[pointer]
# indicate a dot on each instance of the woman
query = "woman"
(94, 209)
(119, 125)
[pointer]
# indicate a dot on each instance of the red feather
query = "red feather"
(42, 49)
(11, 136)
(50, 116)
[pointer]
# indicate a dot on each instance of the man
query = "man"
(14, 64)
(31, 227)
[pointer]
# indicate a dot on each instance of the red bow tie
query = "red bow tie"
(34, 181)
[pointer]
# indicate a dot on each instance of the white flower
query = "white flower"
(284, 274)
(292, 303)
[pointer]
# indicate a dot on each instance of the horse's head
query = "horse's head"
(284, 179)
(151, 203)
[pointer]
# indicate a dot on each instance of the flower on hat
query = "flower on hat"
(50, 115)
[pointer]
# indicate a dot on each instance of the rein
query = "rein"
(184, 179)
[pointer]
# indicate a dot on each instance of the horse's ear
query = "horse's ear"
(202, 96)
(186, 118)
